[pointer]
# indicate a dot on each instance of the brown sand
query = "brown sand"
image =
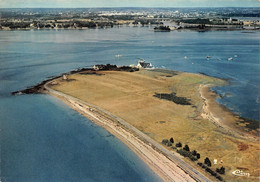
(220, 115)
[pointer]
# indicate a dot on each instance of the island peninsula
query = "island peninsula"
(154, 111)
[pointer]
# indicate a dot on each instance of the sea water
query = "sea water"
(43, 139)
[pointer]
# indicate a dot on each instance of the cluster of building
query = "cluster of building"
(108, 17)
(141, 64)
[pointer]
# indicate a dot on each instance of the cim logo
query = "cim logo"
(240, 173)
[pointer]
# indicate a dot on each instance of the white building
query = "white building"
(143, 64)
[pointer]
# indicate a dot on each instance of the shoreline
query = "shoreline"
(194, 27)
(220, 115)
(165, 164)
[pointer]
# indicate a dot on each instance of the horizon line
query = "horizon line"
(129, 7)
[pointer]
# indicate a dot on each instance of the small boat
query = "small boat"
(185, 57)
(235, 56)
(208, 57)
(230, 59)
(118, 55)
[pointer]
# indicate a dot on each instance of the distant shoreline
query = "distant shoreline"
(194, 28)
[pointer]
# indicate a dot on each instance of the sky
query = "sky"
(125, 3)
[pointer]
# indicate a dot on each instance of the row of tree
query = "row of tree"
(162, 28)
(209, 170)
(194, 156)
(15, 25)
(80, 24)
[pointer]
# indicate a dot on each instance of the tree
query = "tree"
(187, 148)
(198, 155)
(207, 161)
(171, 140)
(221, 170)
(169, 144)
(165, 141)
(47, 26)
(194, 152)
(179, 144)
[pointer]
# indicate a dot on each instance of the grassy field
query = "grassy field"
(130, 96)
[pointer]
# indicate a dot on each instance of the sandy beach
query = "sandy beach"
(220, 115)
(125, 104)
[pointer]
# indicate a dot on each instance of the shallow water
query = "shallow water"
(42, 139)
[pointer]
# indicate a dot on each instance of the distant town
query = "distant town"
(161, 18)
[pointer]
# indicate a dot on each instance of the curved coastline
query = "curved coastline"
(220, 115)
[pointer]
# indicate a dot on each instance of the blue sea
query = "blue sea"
(42, 139)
